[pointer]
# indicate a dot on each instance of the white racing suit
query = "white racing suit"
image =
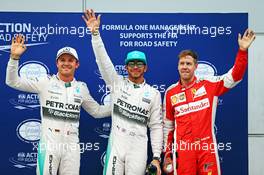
(58, 149)
(134, 107)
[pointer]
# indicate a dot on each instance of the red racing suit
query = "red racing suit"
(189, 120)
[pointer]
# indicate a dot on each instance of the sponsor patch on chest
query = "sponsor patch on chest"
(199, 92)
(192, 107)
(77, 100)
(146, 100)
(178, 98)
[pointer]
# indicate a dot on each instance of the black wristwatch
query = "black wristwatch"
(157, 158)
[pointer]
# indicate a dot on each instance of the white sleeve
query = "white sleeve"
(92, 107)
(19, 83)
(104, 62)
(156, 126)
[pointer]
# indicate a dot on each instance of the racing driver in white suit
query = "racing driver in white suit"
(135, 106)
(61, 98)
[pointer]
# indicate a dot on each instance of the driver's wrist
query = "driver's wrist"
(95, 33)
(242, 49)
(14, 57)
(158, 159)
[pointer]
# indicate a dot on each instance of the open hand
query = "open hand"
(18, 46)
(167, 161)
(92, 22)
(245, 41)
(157, 164)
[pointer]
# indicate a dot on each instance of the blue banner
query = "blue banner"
(161, 36)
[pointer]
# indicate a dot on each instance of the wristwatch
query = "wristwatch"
(157, 158)
(14, 57)
(95, 33)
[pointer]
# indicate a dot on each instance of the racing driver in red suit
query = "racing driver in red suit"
(189, 113)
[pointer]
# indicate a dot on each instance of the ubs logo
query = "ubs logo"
(29, 130)
(33, 69)
(205, 69)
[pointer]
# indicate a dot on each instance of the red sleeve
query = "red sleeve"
(221, 84)
(240, 65)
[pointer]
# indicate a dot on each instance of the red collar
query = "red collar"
(189, 85)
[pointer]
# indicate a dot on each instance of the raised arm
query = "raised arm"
(18, 47)
(103, 61)
(240, 65)
(236, 73)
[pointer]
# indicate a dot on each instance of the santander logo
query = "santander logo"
(192, 107)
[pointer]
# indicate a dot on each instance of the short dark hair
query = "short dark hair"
(190, 53)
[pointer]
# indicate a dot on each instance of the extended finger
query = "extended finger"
(92, 12)
(86, 13)
(251, 33)
(246, 33)
(23, 39)
(18, 38)
(252, 37)
(85, 19)
(89, 13)
(99, 18)
(239, 37)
